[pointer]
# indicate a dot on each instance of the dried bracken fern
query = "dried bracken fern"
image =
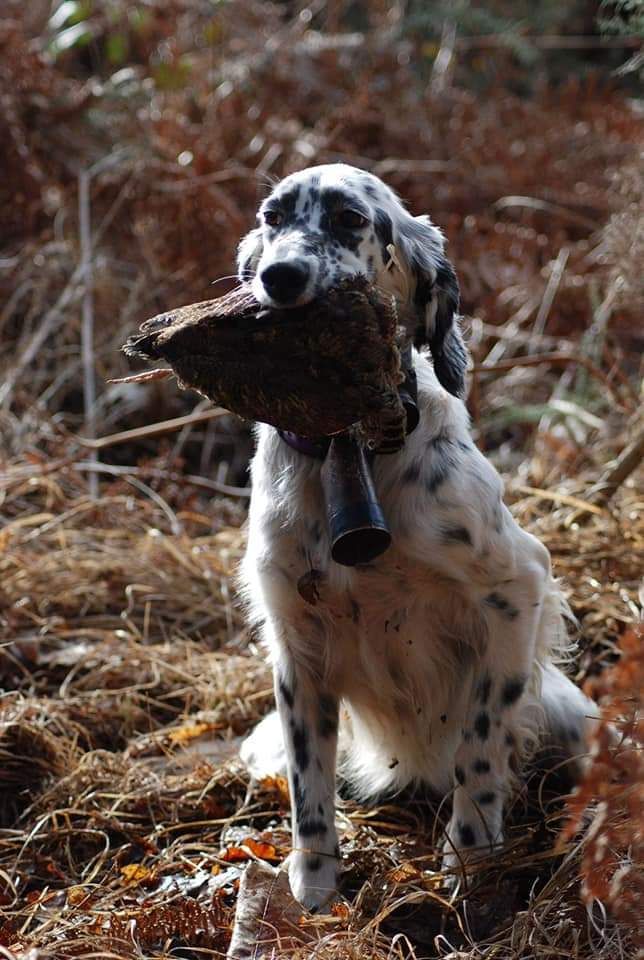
(512, 181)
(152, 925)
(608, 803)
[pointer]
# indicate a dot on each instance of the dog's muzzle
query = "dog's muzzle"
(285, 280)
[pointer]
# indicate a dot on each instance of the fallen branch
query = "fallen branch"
(602, 492)
(535, 203)
(216, 486)
(556, 497)
(627, 462)
(152, 429)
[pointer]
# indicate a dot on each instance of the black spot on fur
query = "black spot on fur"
(286, 693)
(422, 296)
(333, 201)
(394, 763)
(486, 798)
(439, 471)
(445, 341)
(482, 725)
(483, 689)
(456, 535)
(510, 741)
(443, 459)
(288, 200)
(411, 474)
(300, 747)
(320, 809)
(466, 834)
(298, 798)
(504, 606)
(311, 826)
(384, 232)
(334, 197)
(512, 690)
(443, 718)
(314, 863)
(314, 244)
(574, 735)
(459, 773)
(327, 715)
(481, 766)
(441, 441)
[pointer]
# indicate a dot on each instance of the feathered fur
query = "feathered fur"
(438, 658)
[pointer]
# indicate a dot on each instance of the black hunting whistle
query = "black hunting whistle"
(357, 527)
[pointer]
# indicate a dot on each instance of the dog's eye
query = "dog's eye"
(351, 219)
(273, 218)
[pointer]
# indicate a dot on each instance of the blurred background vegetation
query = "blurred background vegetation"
(137, 138)
(162, 123)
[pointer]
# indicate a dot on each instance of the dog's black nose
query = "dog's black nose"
(284, 281)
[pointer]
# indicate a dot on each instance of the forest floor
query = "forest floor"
(137, 144)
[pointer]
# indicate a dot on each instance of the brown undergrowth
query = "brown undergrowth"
(127, 820)
(128, 674)
(611, 795)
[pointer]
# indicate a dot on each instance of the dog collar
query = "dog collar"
(317, 448)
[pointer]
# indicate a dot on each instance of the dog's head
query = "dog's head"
(329, 222)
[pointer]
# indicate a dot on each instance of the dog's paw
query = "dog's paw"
(313, 878)
(463, 849)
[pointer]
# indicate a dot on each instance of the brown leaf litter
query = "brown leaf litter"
(127, 821)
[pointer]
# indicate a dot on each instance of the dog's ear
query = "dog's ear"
(249, 252)
(436, 299)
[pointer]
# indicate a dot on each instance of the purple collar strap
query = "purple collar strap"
(317, 448)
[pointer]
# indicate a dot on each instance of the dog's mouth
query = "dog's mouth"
(274, 303)
(291, 297)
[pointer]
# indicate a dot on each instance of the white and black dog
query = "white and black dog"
(434, 663)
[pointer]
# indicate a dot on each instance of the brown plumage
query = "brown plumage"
(314, 370)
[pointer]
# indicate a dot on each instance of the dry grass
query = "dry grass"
(125, 814)
(128, 676)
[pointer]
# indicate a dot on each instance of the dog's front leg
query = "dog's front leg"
(309, 718)
(512, 610)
